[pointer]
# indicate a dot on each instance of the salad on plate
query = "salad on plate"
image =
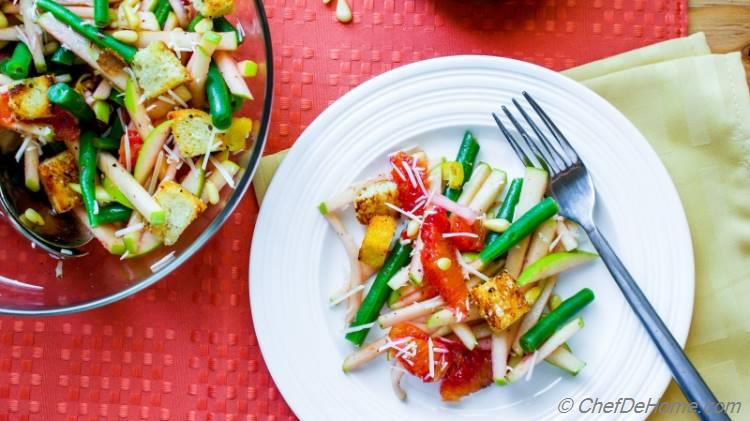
(122, 112)
(464, 270)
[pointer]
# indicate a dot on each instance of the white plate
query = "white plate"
(297, 261)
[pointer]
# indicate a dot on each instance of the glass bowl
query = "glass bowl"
(28, 281)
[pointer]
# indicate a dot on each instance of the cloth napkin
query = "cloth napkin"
(694, 108)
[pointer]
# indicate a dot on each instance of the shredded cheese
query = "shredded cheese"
(177, 98)
(172, 157)
(409, 173)
(418, 174)
(419, 204)
(398, 171)
(127, 139)
(460, 234)
(129, 229)
(431, 357)
(358, 328)
(468, 269)
(533, 364)
(22, 148)
(163, 262)
(155, 173)
(240, 29)
(166, 99)
(403, 212)
(394, 344)
(554, 242)
(209, 146)
(224, 173)
(337, 300)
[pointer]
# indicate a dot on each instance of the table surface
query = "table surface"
(148, 357)
(726, 24)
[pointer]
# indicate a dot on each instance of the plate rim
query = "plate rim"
(361, 92)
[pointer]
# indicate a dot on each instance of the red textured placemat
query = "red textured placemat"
(185, 348)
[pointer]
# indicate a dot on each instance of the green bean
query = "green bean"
(467, 154)
(237, 102)
(191, 26)
(379, 292)
(101, 13)
(17, 66)
(64, 15)
(117, 97)
(161, 11)
(53, 148)
(508, 207)
(63, 57)
(117, 131)
(87, 175)
(519, 229)
(67, 98)
(219, 101)
(107, 143)
(547, 325)
(221, 24)
(113, 213)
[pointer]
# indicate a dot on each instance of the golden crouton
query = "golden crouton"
(158, 70)
(500, 301)
(213, 8)
(28, 98)
(371, 200)
(56, 174)
(181, 207)
(192, 132)
(377, 239)
(110, 62)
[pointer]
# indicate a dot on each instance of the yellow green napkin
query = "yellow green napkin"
(694, 108)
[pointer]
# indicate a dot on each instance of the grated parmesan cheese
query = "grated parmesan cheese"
(403, 212)
(224, 173)
(533, 364)
(163, 262)
(129, 229)
(460, 234)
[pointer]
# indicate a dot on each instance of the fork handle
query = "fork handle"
(687, 377)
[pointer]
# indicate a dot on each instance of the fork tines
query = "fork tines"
(554, 156)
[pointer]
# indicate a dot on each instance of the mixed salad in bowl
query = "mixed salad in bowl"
(122, 112)
(464, 271)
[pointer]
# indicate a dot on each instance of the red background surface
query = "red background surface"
(185, 349)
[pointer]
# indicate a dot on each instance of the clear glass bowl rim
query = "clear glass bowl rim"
(217, 223)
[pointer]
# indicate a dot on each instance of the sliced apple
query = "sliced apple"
(149, 152)
(552, 264)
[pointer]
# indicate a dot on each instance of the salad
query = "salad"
(464, 272)
(123, 111)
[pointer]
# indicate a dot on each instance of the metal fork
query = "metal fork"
(572, 188)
